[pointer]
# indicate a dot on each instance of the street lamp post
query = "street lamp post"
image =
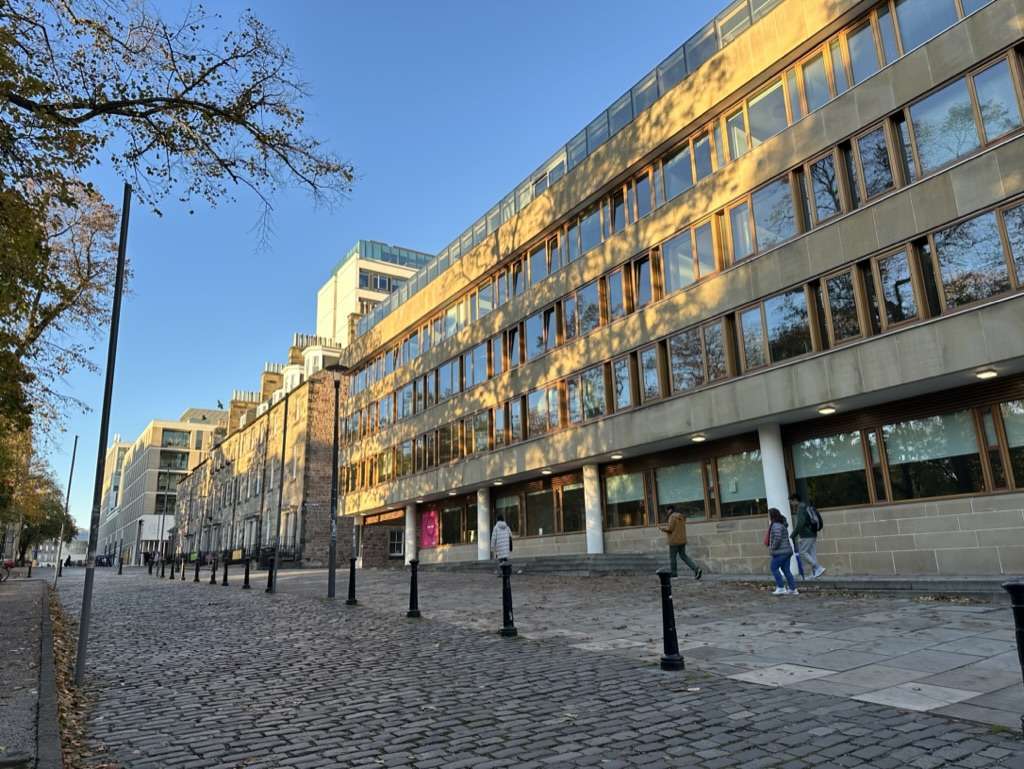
(332, 555)
(67, 507)
(272, 574)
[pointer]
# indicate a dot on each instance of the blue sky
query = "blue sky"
(443, 107)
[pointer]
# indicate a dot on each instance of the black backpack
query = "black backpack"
(814, 518)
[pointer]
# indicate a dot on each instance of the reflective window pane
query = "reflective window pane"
(574, 511)
(890, 50)
(534, 336)
(944, 126)
(774, 220)
(702, 156)
(538, 264)
(741, 485)
(590, 230)
(825, 188)
(789, 330)
(714, 347)
(897, 287)
(921, 20)
(752, 334)
(677, 258)
(997, 99)
(830, 471)
(874, 159)
(736, 131)
(1014, 219)
(1013, 424)
(540, 513)
(624, 500)
(739, 224)
(589, 307)
(680, 487)
(816, 88)
(971, 261)
(642, 288)
(863, 53)
(643, 196)
(616, 296)
(842, 304)
(574, 401)
(933, 457)
(593, 392)
(622, 384)
(705, 241)
(970, 6)
(570, 321)
(767, 114)
(795, 105)
(686, 360)
(678, 173)
(537, 412)
(650, 380)
(838, 68)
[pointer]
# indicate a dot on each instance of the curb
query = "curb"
(48, 747)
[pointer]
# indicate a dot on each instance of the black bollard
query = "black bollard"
(213, 572)
(224, 576)
(174, 567)
(508, 625)
(270, 575)
(414, 597)
(60, 568)
(670, 660)
(120, 564)
(351, 600)
(183, 562)
(151, 567)
(1016, 591)
(245, 584)
(30, 568)
(163, 568)
(199, 559)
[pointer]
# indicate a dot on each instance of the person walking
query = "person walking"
(501, 540)
(676, 533)
(806, 525)
(781, 551)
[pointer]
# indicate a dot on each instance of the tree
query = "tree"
(44, 517)
(183, 107)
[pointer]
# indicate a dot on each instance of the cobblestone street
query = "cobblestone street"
(188, 675)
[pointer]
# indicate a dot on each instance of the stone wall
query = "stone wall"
(958, 537)
(374, 548)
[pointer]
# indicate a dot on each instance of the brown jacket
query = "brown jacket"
(676, 529)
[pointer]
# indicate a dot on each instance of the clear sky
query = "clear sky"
(443, 107)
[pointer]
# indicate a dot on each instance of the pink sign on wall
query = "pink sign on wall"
(428, 528)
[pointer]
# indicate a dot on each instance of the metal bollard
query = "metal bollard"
(151, 567)
(508, 625)
(1016, 591)
(60, 568)
(224, 576)
(213, 572)
(174, 567)
(670, 660)
(351, 600)
(120, 565)
(199, 558)
(270, 575)
(183, 562)
(163, 568)
(29, 569)
(414, 598)
(245, 584)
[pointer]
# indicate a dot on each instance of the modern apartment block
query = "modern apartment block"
(141, 479)
(367, 275)
(790, 258)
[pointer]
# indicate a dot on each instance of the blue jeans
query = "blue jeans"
(780, 567)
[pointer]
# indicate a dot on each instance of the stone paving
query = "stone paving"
(958, 659)
(21, 603)
(188, 675)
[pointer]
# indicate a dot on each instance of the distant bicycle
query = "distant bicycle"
(5, 569)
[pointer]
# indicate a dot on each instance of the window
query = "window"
(175, 439)
(477, 365)
(1014, 221)
(767, 113)
(997, 100)
(971, 262)
(825, 188)
(873, 152)
(897, 288)
(933, 457)
(944, 127)
(714, 350)
(514, 347)
(841, 304)
(616, 295)
(396, 543)
(794, 95)
(650, 375)
(570, 321)
(643, 196)
(449, 382)
(594, 399)
(574, 400)
(589, 307)
(485, 299)
(816, 88)
(741, 485)
(789, 331)
(736, 131)
(507, 506)
(752, 334)
(830, 471)
(496, 355)
(1013, 425)
(590, 230)
(404, 459)
(498, 415)
(686, 360)
(624, 500)
(970, 6)
(554, 254)
(678, 172)
(702, 156)
(739, 225)
(704, 241)
(678, 262)
(540, 512)
(405, 402)
(174, 460)
(921, 20)
(480, 429)
(538, 264)
(534, 331)
(860, 44)
(444, 444)
(774, 219)
(622, 383)
(515, 419)
(451, 524)
(838, 69)
(573, 507)
(680, 487)
(540, 420)
(550, 318)
(642, 287)
(572, 237)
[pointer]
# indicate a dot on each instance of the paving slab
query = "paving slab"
(781, 675)
(975, 678)
(930, 661)
(20, 636)
(916, 696)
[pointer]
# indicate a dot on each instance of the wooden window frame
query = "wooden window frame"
(860, 304)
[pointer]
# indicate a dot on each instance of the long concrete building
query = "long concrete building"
(790, 258)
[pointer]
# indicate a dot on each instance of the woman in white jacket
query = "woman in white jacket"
(501, 540)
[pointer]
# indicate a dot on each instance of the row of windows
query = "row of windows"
(886, 33)
(378, 281)
(970, 261)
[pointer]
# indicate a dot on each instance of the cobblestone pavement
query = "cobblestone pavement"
(21, 604)
(188, 675)
(957, 659)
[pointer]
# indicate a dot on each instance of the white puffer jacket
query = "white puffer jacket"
(501, 540)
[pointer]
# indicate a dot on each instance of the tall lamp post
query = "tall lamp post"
(67, 507)
(332, 555)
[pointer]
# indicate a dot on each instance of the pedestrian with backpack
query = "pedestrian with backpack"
(807, 523)
(781, 550)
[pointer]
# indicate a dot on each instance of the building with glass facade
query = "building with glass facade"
(796, 264)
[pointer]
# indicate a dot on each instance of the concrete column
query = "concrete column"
(483, 524)
(411, 530)
(592, 504)
(773, 465)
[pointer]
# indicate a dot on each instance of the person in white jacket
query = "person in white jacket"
(501, 540)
